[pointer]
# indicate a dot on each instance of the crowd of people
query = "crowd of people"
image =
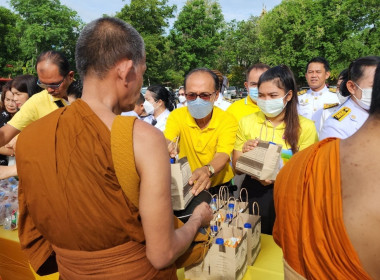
(68, 160)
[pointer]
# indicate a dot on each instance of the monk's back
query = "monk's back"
(82, 194)
(360, 175)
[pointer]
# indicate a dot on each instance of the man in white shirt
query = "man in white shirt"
(318, 96)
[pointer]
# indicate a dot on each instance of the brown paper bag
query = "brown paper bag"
(253, 232)
(222, 262)
(180, 188)
(262, 162)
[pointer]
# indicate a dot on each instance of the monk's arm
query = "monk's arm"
(164, 244)
(7, 132)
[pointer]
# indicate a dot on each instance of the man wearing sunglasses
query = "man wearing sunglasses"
(54, 77)
(206, 133)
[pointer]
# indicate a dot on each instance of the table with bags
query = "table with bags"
(14, 265)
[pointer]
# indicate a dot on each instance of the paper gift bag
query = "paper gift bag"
(180, 188)
(262, 162)
(228, 262)
(252, 226)
(222, 261)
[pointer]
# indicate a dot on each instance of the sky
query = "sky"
(89, 10)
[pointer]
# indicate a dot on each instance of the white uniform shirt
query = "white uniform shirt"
(322, 115)
(179, 105)
(348, 125)
(221, 103)
(310, 102)
(130, 114)
(160, 122)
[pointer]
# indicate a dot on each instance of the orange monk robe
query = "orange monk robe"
(71, 203)
(309, 218)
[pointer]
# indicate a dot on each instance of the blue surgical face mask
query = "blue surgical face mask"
(199, 108)
(254, 93)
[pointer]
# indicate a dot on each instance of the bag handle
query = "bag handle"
(253, 208)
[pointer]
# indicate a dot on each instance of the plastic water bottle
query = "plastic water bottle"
(214, 230)
(213, 204)
(8, 217)
(230, 212)
(219, 241)
(247, 225)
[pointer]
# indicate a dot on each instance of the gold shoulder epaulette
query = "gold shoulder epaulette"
(332, 90)
(302, 92)
(329, 105)
(342, 113)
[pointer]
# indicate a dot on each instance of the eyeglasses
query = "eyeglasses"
(52, 86)
(204, 95)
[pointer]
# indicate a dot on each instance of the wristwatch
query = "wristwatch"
(210, 169)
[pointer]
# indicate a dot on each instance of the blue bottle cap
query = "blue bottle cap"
(247, 225)
(229, 216)
(214, 228)
(172, 160)
(213, 199)
(219, 241)
(231, 205)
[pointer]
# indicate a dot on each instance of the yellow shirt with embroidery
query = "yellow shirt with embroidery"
(257, 126)
(36, 107)
(200, 145)
(242, 108)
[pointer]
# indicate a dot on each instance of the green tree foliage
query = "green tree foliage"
(45, 25)
(197, 34)
(297, 30)
(150, 18)
(240, 49)
(9, 49)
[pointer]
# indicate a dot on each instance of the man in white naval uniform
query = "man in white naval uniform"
(314, 99)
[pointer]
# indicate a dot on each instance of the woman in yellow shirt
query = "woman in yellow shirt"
(278, 122)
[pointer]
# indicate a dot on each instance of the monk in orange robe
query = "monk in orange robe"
(327, 205)
(75, 216)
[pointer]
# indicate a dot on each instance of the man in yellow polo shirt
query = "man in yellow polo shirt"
(206, 133)
(54, 75)
(247, 105)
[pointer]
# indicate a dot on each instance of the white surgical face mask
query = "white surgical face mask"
(365, 101)
(272, 107)
(199, 108)
(341, 98)
(148, 107)
(182, 99)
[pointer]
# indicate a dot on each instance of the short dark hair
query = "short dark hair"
(161, 93)
(75, 89)
(375, 103)
(58, 59)
(283, 78)
(262, 66)
(319, 59)
(356, 71)
(104, 42)
(140, 100)
(26, 83)
(203, 70)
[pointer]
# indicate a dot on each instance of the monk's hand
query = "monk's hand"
(203, 212)
(249, 145)
(12, 144)
(266, 182)
(200, 180)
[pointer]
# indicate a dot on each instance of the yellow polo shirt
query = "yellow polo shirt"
(242, 108)
(36, 107)
(257, 126)
(200, 145)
